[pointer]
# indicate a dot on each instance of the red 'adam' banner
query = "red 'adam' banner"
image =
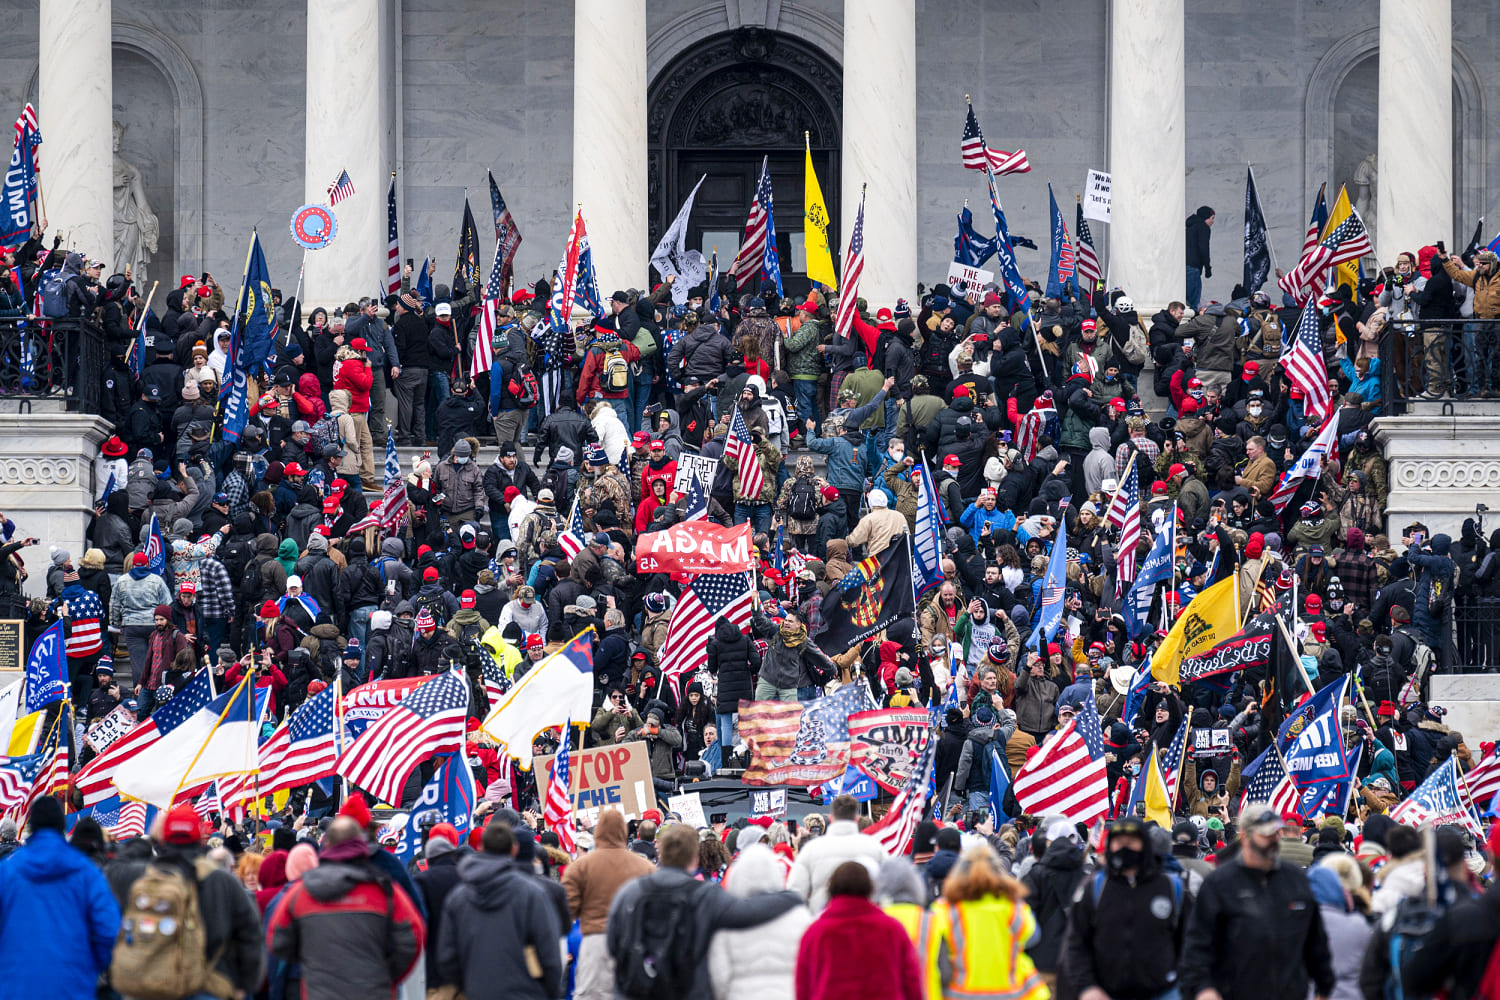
(691, 547)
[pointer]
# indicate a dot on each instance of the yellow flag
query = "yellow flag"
(1212, 617)
(1158, 799)
(1346, 274)
(815, 229)
(25, 734)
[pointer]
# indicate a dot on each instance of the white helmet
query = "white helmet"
(1124, 305)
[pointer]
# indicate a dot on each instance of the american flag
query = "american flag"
(707, 598)
(976, 154)
(392, 244)
(122, 820)
(484, 340)
(207, 804)
(1089, 270)
(1325, 447)
(1302, 359)
(558, 811)
(1069, 775)
(85, 636)
(340, 189)
(1348, 241)
(52, 775)
(695, 507)
(393, 503)
(832, 711)
(1483, 782)
(1441, 799)
(1268, 782)
(496, 683)
(96, 781)
(854, 266)
(560, 308)
(757, 254)
(1310, 238)
(571, 538)
(26, 127)
(741, 448)
(303, 749)
(507, 233)
(428, 721)
(1036, 421)
(1125, 513)
(1171, 764)
(895, 829)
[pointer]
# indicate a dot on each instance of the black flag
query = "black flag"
(1257, 240)
(466, 270)
(870, 597)
(1476, 244)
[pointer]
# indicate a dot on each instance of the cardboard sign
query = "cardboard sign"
(615, 776)
(690, 808)
(690, 464)
(105, 731)
(1097, 196)
(768, 802)
(1211, 743)
(887, 743)
(964, 279)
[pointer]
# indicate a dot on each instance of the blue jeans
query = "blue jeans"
(809, 693)
(622, 410)
(807, 399)
(359, 627)
(979, 801)
(640, 393)
(758, 514)
(1194, 287)
(437, 391)
(725, 721)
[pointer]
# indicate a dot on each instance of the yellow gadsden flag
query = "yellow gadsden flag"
(1212, 617)
(1346, 274)
(815, 229)
(1158, 798)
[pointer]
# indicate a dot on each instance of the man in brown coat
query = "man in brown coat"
(591, 883)
(1260, 471)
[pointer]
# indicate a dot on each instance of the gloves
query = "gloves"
(1208, 271)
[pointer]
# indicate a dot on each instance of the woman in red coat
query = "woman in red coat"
(853, 951)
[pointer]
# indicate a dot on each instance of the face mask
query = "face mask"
(460, 461)
(1125, 857)
(1254, 411)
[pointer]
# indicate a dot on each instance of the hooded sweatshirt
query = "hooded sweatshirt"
(592, 881)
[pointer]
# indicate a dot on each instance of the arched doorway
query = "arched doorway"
(720, 108)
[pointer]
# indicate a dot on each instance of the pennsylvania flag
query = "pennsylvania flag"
(1213, 617)
(870, 597)
(815, 222)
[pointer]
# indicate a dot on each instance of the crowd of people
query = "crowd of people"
(1025, 420)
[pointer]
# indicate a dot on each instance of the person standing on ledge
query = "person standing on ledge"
(1198, 266)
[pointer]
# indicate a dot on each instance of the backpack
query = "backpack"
(522, 385)
(433, 603)
(1410, 932)
(1134, 348)
(644, 342)
(614, 372)
(325, 431)
(160, 953)
(804, 500)
(655, 959)
(54, 292)
(1439, 594)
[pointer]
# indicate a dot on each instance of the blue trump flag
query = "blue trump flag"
(927, 543)
(999, 784)
(968, 246)
(1054, 586)
(20, 184)
(1010, 273)
(1156, 568)
(424, 283)
(1135, 697)
(46, 670)
(156, 549)
(1060, 276)
(448, 798)
(254, 314)
(1311, 739)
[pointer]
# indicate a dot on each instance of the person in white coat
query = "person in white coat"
(612, 434)
(762, 961)
(818, 858)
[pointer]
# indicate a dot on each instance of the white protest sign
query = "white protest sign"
(691, 464)
(690, 808)
(1096, 196)
(964, 279)
(110, 728)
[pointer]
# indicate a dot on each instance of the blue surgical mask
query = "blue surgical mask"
(459, 460)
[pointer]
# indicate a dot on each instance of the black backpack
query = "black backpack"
(804, 500)
(656, 957)
(1439, 592)
(433, 603)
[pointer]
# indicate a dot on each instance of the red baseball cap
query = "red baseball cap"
(182, 826)
(640, 439)
(960, 390)
(430, 573)
(293, 469)
(466, 599)
(358, 344)
(952, 461)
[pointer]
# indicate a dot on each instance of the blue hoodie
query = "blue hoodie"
(58, 920)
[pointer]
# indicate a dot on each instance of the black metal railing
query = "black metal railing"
(55, 359)
(1438, 360)
(1476, 635)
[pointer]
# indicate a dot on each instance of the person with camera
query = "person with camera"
(662, 743)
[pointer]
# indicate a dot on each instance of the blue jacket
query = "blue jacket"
(975, 517)
(845, 471)
(1367, 387)
(58, 920)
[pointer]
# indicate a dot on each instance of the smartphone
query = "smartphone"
(411, 262)
(1441, 247)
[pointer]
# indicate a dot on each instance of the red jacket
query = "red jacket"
(355, 375)
(593, 362)
(855, 952)
(309, 398)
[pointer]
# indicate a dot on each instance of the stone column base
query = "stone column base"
(1441, 466)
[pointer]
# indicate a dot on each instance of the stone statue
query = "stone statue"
(1362, 189)
(136, 226)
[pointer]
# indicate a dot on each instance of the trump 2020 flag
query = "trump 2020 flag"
(968, 246)
(927, 543)
(672, 258)
(1312, 741)
(1438, 800)
(448, 798)
(1257, 238)
(1054, 586)
(156, 548)
(1064, 262)
(46, 670)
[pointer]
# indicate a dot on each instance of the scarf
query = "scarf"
(793, 634)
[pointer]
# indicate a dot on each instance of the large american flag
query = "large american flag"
(429, 720)
(85, 636)
(1069, 774)
(1348, 241)
(1441, 798)
(303, 749)
(96, 781)
(895, 829)
(1268, 782)
(507, 233)
(1483, 782)
(496, 683)
(854, 266)
(558, 810)
(1089, 270)
(571, 538)
(392, 244)
(122, 820)
(757, 254)
(1302, 359)
(976, 154)
(1324, 448)
(707, 598)
(23, 780)
(484, 340)
(741, 448)
(393, 503)
(341, 188)
(1125, 513)
(1310, 238)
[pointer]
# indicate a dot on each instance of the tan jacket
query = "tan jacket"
(875, 529)
(1486, 290)
(1260, 475)
(592, 881)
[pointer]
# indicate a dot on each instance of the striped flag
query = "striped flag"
(1302, 360)
(1310, 238)
(341, 188)
(1324, 448)
(558, 811)
(484, 340)
(392, 244)
(1171, 764)
(496, 683)
(1483, 782)
(85, 630)
(1041, 416)
(1125, 513)
(1347, 242)
(207, 804)
(26, 125)
(927, 543)
(1089, 270)
(1069, 774)
(429, 720)
(854, 266)
(758, 256)
(560, 308)
(741, 448)
(156, 548)
(96, 780)
(895, 829)
(1266, 781)
(976, 155)
(303, 749)
(393, 502)
(706, 599)
(695, 505)
(571, 539)
(507, 233)
(1441, 799)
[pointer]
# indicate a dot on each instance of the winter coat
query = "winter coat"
(734, 660)
(1051, 882)
(761, 961)
(58, 920)
(703, 354)
(1098, 464)
(593, 881)
(786, 666)
(1036, 702)
(134, 598)
(852, 936)
(820, 857)
(491, 923)
(1348, 933)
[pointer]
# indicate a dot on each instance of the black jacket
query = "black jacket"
(1256, 934)
(488, 922)
(735, 661)
(1456, 953)
(435, 883)
(411, 333)
(1124, 943)
(1197, 242)
(1051, 882)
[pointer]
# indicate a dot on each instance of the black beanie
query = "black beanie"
(47, 814)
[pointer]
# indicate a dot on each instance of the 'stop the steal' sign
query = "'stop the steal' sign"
(1097, 196)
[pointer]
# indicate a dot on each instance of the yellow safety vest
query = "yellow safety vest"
(984, 943)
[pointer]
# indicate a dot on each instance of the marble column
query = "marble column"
(1414, 192)
(75, 95)
(346, 131)
(609, 138)
(1148, 154)
(880, 146)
